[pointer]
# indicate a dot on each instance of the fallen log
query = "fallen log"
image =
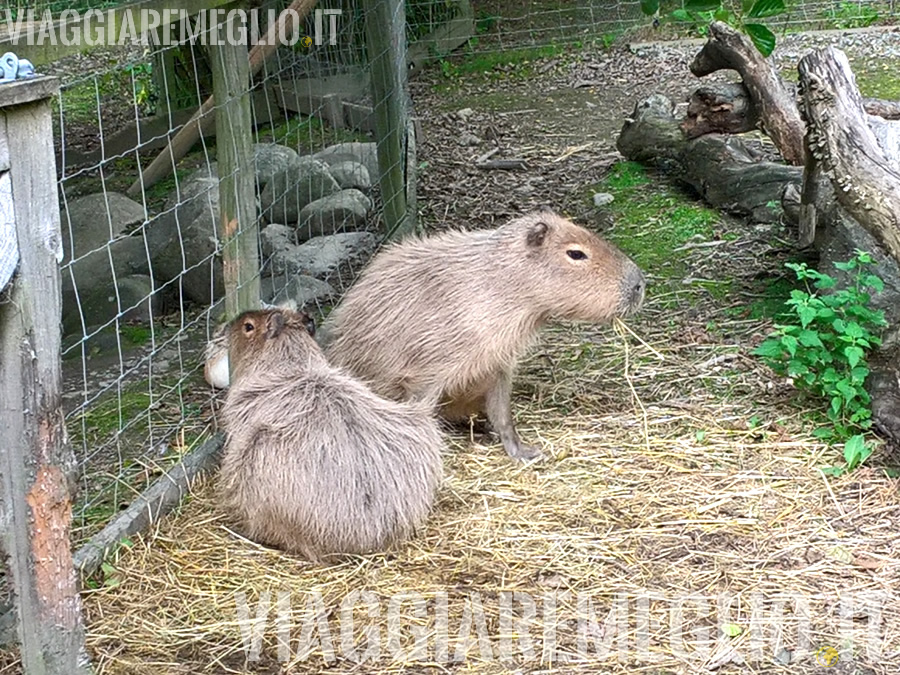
(778, 113)
(729, 109)
(721, 109)
(721, 169)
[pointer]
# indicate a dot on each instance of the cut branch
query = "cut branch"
(839, 136)
(723, 109)
(202, 120)
(778, 113)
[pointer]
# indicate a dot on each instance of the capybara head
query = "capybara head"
(578, 275)
(268, 337)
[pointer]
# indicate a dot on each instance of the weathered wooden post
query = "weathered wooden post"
(386, 47)
(234, 157)
(34, 453)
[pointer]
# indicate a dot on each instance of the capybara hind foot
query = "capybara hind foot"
(520, 451)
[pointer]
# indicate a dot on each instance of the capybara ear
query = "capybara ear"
(274, 325)
(310, 324)
(537, 233)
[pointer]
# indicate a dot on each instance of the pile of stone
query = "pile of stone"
(313, 209)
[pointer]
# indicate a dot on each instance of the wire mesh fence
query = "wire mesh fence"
(143, 281)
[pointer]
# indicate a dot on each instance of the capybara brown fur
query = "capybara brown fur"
(446, 318)
(315, 463)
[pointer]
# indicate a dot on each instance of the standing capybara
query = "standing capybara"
(314, 462)
(446, 318)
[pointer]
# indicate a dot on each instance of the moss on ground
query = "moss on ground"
(653, 219)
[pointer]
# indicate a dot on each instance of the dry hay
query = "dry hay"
(651, 498)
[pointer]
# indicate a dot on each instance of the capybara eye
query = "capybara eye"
(249, 327)
(575, 254)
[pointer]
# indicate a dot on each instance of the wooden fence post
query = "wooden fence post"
(386, 47)
(35, 456)
(234, 158)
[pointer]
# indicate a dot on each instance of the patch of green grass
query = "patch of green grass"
(308, 133)
(496, 65)
(135, 334)
(769, 296)
(79, 102)
(651, 221)
(878, 78)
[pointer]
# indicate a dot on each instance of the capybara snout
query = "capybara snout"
(632, 290)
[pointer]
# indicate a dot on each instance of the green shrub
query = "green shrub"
(824, 349)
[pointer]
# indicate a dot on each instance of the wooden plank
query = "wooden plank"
(34, 454)
(154, 133)
(25, 91)
(183, 141)
(443, 39)
(163, 495)
(237, 192)
(386, 47)
(28, 43)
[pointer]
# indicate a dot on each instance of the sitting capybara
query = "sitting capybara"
(446, 318)
(314, 462)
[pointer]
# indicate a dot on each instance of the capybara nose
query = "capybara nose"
(633, 287)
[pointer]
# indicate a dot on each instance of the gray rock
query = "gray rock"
(135, 301)
(468, 139)
(303, 290)
(322, 256)
(290, 190)
(92, 221)
(270, 159)
(602, 199)
(275, 238)
(93, 274)
(189, 227)
(838, 242)
(349, 174)
(362, 153)
(344, 210)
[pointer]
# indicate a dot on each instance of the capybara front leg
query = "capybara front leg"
(499, 414)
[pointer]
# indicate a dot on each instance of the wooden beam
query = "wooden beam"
(32, 39)
(185, 139)
(35, 457)
(386, 47)
(237, 192)
(163, 495)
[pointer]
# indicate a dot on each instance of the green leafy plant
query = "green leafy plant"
(703, 12)
(824, 350)
(852, 15)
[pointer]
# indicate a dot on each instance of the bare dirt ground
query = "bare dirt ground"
(678, 466)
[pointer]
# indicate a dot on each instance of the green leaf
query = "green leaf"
(769, 348)
(649, 7)
(731, 629)
(682, 15)
(832, 470)
(836, 403)
(853, 329)
(763, 8)
(807, 315)
(702, 5)
(762, 37)
(723, 15)
(854, 355)
(856, 451)
(789, 342)
(810, 338)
